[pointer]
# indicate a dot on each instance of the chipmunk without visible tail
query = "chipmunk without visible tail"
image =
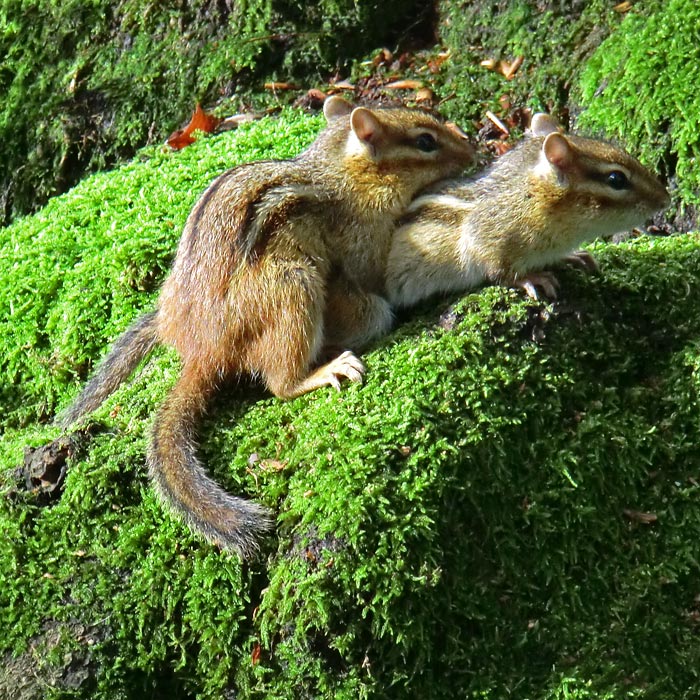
(532, 208)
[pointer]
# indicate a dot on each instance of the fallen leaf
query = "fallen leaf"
(273, 465)
(497, 123)
(640, 517)
(500, 147)
(235, 120)
(313, 99)
(255, 654)
(434, 64)
(343, 85)
(510, 69)
(425, 95)
(404, 85)
(316, 94)
(623, 7)
(383, 58)
(200, 121)
(280, 86)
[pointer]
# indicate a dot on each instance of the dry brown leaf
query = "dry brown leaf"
(200, 121)
(383, 58)
(425, 95)
(280, 86)
(343, 85)
(235, 120)
(640, 517)
(404, 85)
(497, 123)
(510, 69)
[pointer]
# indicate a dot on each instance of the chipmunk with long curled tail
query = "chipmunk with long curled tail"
(278, 259)
(534, 207)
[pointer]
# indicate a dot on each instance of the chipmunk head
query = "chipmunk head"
(596, 178)
(410, 144)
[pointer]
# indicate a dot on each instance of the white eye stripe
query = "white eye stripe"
(607, 169)
(600, 189)
(416, 131)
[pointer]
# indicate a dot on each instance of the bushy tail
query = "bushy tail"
(131, 347)
(181, 480)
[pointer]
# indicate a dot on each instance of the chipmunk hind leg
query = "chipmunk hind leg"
(289, 345)
(126, 353)
(353, 318)
(181, 480)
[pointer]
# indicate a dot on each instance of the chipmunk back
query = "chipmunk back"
(532, 208)
(277, 260)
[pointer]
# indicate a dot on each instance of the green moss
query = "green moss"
(84, 84)
(636, 87)
(455, 527)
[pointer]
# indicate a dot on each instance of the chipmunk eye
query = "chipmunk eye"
(426, 142)
(617, 180)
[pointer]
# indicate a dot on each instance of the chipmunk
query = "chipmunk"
(532, 208)
(278, 259)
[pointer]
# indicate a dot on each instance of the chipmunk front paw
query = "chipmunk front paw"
(345, 366)
(583, 260)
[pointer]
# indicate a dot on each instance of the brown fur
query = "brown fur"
(272, 255)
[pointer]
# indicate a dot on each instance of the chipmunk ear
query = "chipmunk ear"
(365, 126)
(557, 150)
(335, 106)
(542, 124)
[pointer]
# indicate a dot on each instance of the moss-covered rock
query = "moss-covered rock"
(508, 507)
(552, 38)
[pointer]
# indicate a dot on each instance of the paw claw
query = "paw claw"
(546, 281)
(583, 260)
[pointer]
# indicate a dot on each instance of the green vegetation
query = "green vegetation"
(637, 87)
(468, 523)
(553, 38)
(85, 83)
(509, 505)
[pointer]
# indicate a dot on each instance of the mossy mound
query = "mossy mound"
(508, 507)
(552, 38)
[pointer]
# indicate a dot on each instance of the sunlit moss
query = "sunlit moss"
(638, 88)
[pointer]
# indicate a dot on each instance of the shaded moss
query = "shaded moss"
(464, 524)
(553, 38)
(84, 84)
